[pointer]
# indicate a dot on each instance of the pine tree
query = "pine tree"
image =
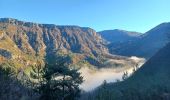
(125, 75)
(60, 82)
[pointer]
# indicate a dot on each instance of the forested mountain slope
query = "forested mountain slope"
(146, 45)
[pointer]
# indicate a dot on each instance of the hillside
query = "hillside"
(117, 36)
(12, 89)
(38, 37)
(46, 39)
(23, 45)
(150, 82)
(146, 45)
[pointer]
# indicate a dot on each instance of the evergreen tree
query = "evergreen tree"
(125, 75)
(60, 82)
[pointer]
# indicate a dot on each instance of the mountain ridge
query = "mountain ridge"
(27, 43)
(146, 45)
(118, 35)
(56, 28)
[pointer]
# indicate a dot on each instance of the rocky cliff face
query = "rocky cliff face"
(24, 44)
(47, 38)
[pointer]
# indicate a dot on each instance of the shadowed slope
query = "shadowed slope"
(150, 82)
(146, 45)
(117, 36)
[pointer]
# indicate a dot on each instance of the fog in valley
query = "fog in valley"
(95, 77)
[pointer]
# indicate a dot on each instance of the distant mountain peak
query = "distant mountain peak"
(161, 27)
(118, 35)
(146, 45)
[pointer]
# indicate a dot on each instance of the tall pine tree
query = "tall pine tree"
(60, 82)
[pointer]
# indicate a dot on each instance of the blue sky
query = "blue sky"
(132, 15)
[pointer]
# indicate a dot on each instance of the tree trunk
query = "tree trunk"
(63, 88)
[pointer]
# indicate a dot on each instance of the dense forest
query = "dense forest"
(53, 82)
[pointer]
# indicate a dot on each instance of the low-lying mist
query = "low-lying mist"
(95, 77)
